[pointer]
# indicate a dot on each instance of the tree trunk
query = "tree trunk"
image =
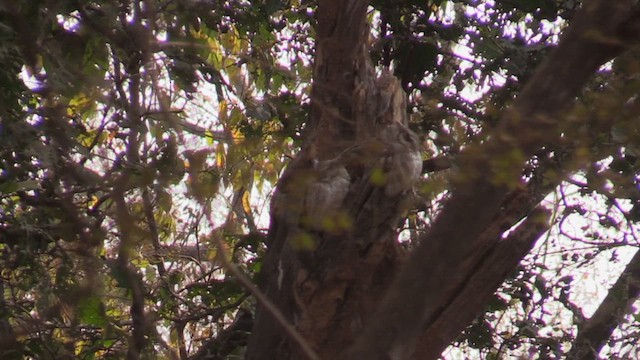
(332, 247)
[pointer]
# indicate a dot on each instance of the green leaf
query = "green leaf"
(91, 311)
(8, 187)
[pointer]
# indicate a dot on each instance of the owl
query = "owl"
(325, 195)
(402, 159)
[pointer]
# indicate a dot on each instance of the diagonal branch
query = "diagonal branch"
(500, 260)
(594, 333)
(439, 263)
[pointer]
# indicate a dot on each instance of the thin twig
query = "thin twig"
(260, 296)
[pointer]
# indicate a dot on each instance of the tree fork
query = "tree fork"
(327, 292)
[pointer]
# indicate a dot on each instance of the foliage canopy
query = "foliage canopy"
(141, 141)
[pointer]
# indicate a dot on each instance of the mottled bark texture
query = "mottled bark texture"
(332, 246)
(332, 261)
(444, 263)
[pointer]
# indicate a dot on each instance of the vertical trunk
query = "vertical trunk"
(332, 248)
(332, 240)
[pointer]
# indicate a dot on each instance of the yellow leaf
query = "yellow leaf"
(245, 202)
(237, 135)
(80, 104)
(223, 116)
(220, 155)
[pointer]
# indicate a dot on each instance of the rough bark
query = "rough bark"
(329, 284)
(441, 263)
(326, 280)
(499, 259)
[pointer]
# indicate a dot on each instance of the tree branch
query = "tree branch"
(594, 333)
(440, 262)
(501, 259)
